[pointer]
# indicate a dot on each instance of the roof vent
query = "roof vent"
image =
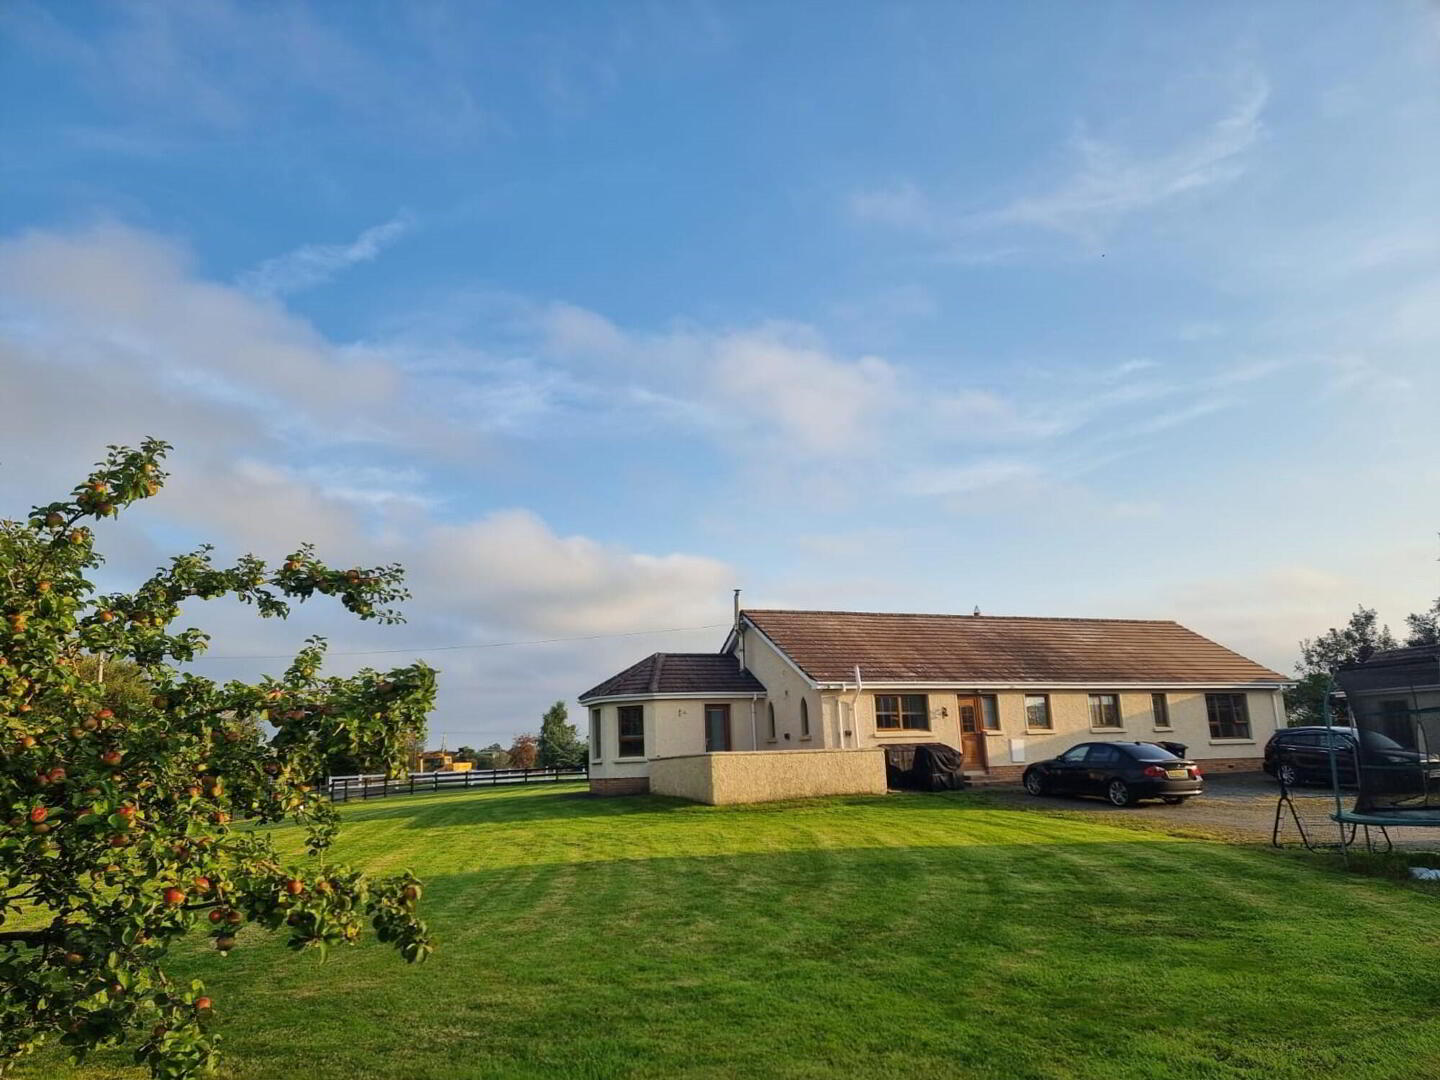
(976, 611)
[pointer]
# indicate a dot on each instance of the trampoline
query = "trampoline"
(1393, 702)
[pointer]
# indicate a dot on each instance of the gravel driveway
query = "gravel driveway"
(1238, 805)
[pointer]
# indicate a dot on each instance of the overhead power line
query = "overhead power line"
(482, 645)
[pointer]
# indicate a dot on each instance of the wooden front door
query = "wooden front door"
(717, 728)
(972, 738)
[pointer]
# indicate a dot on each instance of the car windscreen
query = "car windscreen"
(1150, 752)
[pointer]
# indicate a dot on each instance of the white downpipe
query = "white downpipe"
(855, 711)
(754, 731)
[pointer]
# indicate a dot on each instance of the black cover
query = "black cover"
(924, 767)
(1176, 748)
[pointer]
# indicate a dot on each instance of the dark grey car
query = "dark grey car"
(1121, 772)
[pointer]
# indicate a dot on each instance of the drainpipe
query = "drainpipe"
(754, 731)
(854, 712)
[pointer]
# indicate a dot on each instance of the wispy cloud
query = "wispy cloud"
(901, 204)
(1109, 182)
(315, 264)
(1113, 181)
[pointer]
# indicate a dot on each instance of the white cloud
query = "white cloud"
(976, 477)
(901, 204)
(1109, 183)
(985, 416)
(108, 334)
(315, 264)
(807, 398)
(1113, 181)
(118, 298)
(510, 564)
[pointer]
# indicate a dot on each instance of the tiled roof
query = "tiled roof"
(679, 673)
(827, 645)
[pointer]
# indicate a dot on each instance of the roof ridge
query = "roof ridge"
(655, 671)
(956, 615)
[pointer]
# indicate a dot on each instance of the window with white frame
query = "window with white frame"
(902, 712)
(1160, 708)
(1105, 711)
(1037, 712)
(631, 731)
(989, 712)
(1229, 716)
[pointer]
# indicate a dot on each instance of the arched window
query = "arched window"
(804, 719)
(772, 721)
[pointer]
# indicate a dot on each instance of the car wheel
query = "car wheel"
(1034, 782)
(1174, 800)
(1288, 775)
(1119, 793)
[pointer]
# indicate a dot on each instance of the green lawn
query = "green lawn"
(909, 935)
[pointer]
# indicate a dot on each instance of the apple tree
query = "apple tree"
(131, 819)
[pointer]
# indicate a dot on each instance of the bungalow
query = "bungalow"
(1003, 690)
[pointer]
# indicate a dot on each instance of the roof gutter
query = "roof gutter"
(689, 695)
(1092, 684)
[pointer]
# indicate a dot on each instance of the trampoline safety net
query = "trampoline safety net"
(1393, 700)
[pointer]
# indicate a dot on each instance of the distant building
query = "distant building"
(441, 761)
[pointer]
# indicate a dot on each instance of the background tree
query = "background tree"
(560, 746)
(466, 753)
(1363, 635)
(121, 683)
(1424, 627)
(1322, 656)
(522, 752)
(119, 809)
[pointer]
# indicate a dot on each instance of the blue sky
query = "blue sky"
(587, 313)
